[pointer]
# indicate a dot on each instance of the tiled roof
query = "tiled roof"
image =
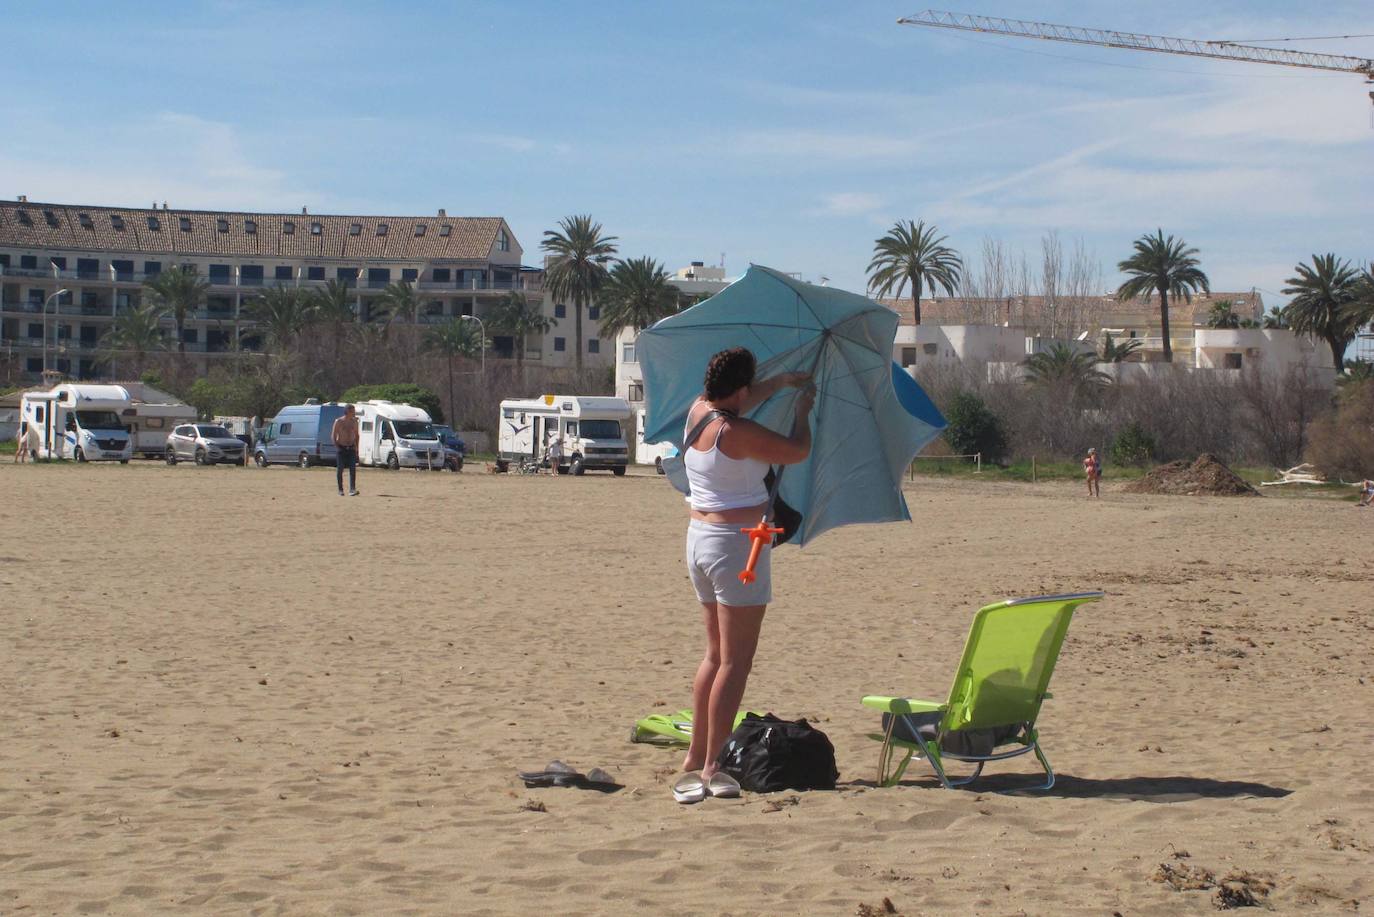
(957, 310)
(74, 227)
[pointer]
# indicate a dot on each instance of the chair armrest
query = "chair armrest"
(902, 705)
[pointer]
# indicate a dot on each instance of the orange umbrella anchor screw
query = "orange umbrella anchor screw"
(760, 535)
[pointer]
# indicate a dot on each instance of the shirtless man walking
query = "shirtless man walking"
(345, 436)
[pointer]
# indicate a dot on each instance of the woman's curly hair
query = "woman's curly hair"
(728, 372)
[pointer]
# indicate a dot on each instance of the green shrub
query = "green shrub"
(401, 393)
(1133, 446)
(973, 427)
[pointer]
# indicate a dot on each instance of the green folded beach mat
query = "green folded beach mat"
(670, 729)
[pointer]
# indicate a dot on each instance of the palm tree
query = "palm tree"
(1165, 266)
(636, 295)
(454, 338)
(515, 315)
(398, 300)
(1275, 318)
(1063, 364)
(1223, 315)
(282, 313)
(137, 331)
(1361, 311)
(911, 253)
(1322, 296)
(333, 306)
(1113, 352)
(577, 270)
(177, 291)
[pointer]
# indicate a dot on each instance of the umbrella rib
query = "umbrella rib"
(727, 325)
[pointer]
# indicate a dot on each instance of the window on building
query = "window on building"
(627, 353)
(36, 366)
(930, 350)
(908, 356)
(378, 276)
(466, 309)
(36, 330)
(347, 274)
(314, 273)
(90, 298)
(419, 230)
(250, 227)
(316, 229)
(445, 230)
(593, 345)
(434, 307)
(381, 229)
(154, 224)
(185, 223)
(503, 345)
(59, 262)
(1231, 361)
(117, 222)
(190, 335)
(36, 297)
(222, 225)
(560, 310)
(4, 260)
(356, 229)
(51, 218)
(636, 391)
(251, 275)
(283, 272)
(85, 219)
(220, 273)
(288, 228)
(88, 268)
(123, 270)
(28, 262)
(502, 241)
(409, 274)
(23, 217)
(152, 268)
(593, 313)
(442, 275)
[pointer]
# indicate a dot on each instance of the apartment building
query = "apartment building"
(695, 282)
(67, 270)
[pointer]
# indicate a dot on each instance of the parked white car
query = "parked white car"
(204, 444)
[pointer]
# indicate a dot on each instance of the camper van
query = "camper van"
(397, 436)
(650, 453)
(300, 434)
(150, 425)
(591, 427)
(81, 422)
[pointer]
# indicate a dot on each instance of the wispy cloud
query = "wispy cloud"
(848, 204)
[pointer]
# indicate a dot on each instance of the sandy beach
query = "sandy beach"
(230, 691)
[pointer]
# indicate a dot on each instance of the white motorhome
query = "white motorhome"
(591, 429)
(397, 436)
(81, 422)
(151, 423)
(650, 453)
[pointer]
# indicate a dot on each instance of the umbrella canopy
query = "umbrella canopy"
(870, 417)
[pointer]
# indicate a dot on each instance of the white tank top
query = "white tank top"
(719, 482)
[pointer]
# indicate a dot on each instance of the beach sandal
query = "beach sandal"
(722, 786)
(689, 788)
(560, 774)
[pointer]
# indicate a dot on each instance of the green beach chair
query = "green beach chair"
(1008, 659)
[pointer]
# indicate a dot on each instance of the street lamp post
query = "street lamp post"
(483, 330)
(45, 325)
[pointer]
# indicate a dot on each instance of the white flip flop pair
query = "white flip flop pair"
(690, 787)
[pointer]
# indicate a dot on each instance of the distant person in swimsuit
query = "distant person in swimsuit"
(21, 444)
(725, 466)
(1092, 469)
(345, 436)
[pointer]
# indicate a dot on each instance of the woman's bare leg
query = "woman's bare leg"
(739, 638)
(701, 690)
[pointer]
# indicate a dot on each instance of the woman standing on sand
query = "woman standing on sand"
(726, 461)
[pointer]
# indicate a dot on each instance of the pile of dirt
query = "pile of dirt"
(1207, 476)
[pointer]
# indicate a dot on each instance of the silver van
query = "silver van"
(300, 434)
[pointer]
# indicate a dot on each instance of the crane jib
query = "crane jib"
(1133, 41)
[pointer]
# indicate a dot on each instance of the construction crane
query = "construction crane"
(1221, 50)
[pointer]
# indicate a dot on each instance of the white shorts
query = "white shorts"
(716, 553)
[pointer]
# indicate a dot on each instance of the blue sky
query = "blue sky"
(785, 133)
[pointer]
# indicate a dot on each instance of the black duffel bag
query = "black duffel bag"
(766, 754)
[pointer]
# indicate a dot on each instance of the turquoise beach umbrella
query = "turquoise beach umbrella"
(870, 417)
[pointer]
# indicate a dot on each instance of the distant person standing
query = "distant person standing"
(555, 454)
(345, 436)
(21, 444)
(1092, 470)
